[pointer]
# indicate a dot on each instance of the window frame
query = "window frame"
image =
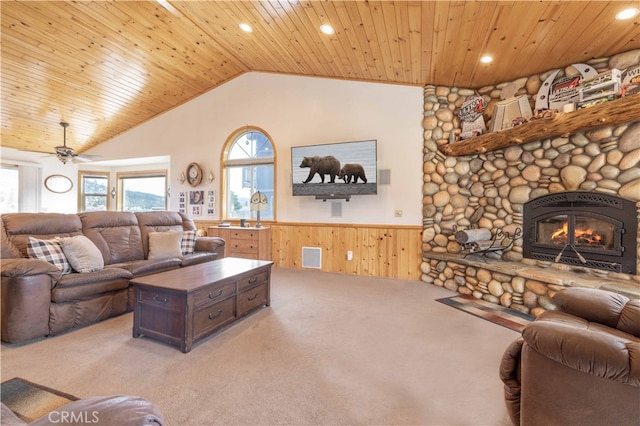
(137, 175)
(14, 168)
(256, 161)
(81, 194)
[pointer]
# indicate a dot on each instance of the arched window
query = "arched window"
(248, 165)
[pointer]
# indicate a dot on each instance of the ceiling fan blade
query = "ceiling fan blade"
(82, 158)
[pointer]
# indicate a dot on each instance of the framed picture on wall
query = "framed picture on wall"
(196, 198)
(211, 202)
(182, 206)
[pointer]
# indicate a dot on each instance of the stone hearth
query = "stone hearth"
(489, 190)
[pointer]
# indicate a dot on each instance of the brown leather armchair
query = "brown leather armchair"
(121, 410)
(577, 365)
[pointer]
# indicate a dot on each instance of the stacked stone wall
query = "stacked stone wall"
(489, 190)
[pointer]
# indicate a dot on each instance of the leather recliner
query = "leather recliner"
(121, 410)
(578, 364)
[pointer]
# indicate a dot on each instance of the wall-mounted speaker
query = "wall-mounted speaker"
(384, 176)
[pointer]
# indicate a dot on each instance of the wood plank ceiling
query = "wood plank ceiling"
(106, 66)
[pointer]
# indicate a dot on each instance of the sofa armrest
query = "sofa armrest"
(598, 353)
(591, 304)
(510, 376)
(211, 244)
(25, 294)
(23, 267)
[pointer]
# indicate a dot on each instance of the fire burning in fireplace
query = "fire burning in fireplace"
(583, 237)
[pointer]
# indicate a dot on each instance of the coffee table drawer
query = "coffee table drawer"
(210, 318)
(215, 292)
(163, 298)
(252, 298)
(252, 280)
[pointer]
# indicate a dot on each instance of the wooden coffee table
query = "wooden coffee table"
(183, 306)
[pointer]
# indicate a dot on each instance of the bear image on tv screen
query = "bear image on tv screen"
(352, 171)
(328, 165)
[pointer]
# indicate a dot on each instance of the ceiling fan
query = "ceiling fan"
(65, 153)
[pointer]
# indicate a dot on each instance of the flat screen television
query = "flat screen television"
(335, 170)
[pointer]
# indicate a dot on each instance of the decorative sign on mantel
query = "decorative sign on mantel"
(471, 116)
(631, 81)
(553, 94)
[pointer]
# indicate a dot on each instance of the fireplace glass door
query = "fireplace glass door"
(583, 232)
(582, 228)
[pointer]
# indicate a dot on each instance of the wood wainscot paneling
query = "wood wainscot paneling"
(378, 250)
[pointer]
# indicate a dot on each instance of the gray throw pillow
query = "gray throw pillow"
(165, 245)
(82, 254)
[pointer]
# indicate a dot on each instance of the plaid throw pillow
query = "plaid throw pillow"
(188, 243)
(50, 251)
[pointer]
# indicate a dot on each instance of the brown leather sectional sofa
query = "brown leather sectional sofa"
(578, 364)
(38, 300)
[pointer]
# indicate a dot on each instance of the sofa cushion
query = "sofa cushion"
(188, 243)
(161, 221)
(82, 254)
(19, 227)
(629, 321)
(146, 267)
(50, 251)
(586, 349)
(164, 245)
(116, 234)
(599, 306)
(198, 257)
(76, 286)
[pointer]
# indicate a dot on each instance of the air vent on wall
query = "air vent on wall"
(312, 257)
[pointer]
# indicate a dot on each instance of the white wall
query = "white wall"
(294, 111)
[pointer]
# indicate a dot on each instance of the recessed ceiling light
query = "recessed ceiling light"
(327, 29)
(486, 59)
(245, 27)
(167, 5)
(629, 13)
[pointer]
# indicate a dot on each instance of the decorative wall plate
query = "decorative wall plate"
(58, 184)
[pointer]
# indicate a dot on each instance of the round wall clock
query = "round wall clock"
(194, 174)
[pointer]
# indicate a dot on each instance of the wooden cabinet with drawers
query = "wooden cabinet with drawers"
(249, 243)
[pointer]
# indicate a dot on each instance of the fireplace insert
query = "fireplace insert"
(582, 228)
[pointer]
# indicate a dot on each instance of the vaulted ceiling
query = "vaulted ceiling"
(106, 66)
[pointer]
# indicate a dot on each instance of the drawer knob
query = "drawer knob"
(250, 298)
(160, 300)
(211, 316)
(253, 280)
(218, 293)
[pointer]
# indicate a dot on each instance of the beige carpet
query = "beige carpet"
(331, 350)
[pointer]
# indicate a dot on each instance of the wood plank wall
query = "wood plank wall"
(378, 250)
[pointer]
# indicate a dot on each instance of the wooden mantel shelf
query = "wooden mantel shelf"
(613, 113)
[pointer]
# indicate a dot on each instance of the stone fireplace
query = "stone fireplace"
(582, 228)
(494, 189)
